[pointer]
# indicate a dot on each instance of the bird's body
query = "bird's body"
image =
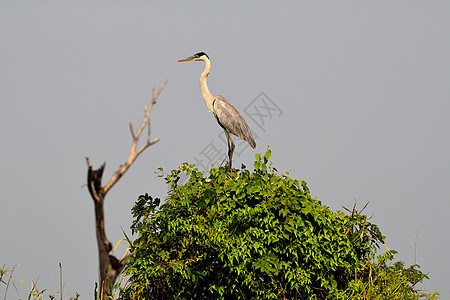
(226, 114)
(231, 120)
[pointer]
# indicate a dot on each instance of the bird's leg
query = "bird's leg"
(230, 151)
(229, 148)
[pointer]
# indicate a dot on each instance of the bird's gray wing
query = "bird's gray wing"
(231, 120)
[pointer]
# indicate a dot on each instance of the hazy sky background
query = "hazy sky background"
(363, 88)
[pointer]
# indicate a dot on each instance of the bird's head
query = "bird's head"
(201, 56)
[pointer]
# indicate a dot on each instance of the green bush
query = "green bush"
(256, 235)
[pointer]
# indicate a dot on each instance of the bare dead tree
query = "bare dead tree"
(110, 266)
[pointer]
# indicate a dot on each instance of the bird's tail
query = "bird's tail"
(251, 141)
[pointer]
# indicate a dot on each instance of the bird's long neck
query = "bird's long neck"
(207, 96)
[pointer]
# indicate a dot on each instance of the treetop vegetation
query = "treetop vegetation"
(257, 235)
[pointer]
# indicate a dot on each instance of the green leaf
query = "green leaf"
(267, 155)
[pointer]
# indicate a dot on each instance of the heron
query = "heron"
(226, 114)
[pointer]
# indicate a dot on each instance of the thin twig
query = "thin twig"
(132, 131)
(134, 153)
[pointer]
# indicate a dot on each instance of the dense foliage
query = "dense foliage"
(256, 235)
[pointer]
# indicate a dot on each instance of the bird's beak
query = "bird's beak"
(190, 58)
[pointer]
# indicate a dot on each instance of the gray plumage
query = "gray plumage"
(226, 114)
(231, 120)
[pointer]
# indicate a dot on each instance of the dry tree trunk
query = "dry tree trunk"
(110, 266)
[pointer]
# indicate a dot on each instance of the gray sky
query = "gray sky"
(363, 91)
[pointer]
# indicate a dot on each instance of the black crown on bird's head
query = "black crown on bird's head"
(200, 54)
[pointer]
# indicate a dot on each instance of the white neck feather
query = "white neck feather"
(207, 96)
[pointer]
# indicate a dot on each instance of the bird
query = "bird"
(226, 114)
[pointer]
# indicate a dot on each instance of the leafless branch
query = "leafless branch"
(136, 135)
(110, 266)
